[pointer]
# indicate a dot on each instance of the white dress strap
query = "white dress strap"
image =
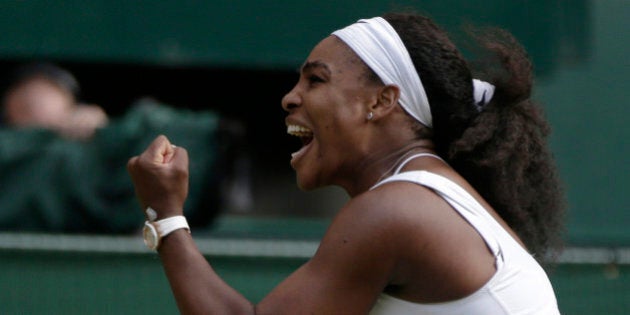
(413, 157)
(467, 206)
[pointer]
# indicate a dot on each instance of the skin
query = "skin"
(40, 102)
(400, 238)
(37, 102)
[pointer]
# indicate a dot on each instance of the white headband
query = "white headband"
(482, 92)
(376, 42)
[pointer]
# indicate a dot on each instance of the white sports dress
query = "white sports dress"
(519, 286)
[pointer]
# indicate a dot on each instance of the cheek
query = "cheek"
(340, 140)
(337, 118)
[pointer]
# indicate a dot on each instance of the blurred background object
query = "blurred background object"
(238, 58)
(54, 184)
(44, 95)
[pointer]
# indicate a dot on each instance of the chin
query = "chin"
(306, 184)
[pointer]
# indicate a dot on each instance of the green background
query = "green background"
(580, 49)
(75, 283)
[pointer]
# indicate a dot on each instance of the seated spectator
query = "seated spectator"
(53, 183)
(44, 95)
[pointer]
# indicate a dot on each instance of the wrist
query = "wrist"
(155, 230)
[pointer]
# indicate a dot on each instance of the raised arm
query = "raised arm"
(160, 176)
(348, 272)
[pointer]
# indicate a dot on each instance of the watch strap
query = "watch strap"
(166, 226)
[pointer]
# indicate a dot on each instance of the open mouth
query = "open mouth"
(305, 134)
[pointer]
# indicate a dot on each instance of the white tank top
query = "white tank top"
(519, 286)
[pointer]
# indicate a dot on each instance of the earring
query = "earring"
(370, 115)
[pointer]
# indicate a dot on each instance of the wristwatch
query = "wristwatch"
(154, 231)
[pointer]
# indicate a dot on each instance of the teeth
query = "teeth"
(299, 131)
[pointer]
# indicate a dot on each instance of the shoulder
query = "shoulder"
(385, 221)
(395, 205)
(358, 257)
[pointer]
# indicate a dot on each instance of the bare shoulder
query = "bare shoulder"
(385, 218)
(437, 254)
(357, 259)
(400, 235)
(394, 205)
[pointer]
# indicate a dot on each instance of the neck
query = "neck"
(385, 165)
(423, 146)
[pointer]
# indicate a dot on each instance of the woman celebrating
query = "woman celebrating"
(453, 192)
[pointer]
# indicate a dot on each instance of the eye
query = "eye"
(314, 79)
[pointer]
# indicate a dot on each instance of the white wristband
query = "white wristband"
(168, 225)
(153, 232)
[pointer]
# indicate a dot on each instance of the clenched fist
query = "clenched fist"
(160, 177)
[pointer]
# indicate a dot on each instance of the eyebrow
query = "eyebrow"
(307, 66)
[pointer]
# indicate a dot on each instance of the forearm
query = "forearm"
(196, 286)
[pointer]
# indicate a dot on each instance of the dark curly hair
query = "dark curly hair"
(501, 150)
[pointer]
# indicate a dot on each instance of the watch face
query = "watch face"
(150, 236)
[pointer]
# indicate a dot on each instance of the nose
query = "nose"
(291, 100)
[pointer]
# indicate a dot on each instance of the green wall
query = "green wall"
(242, 33)
(53, 282)
(586, 101)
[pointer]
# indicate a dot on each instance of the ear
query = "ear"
(386, 100)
